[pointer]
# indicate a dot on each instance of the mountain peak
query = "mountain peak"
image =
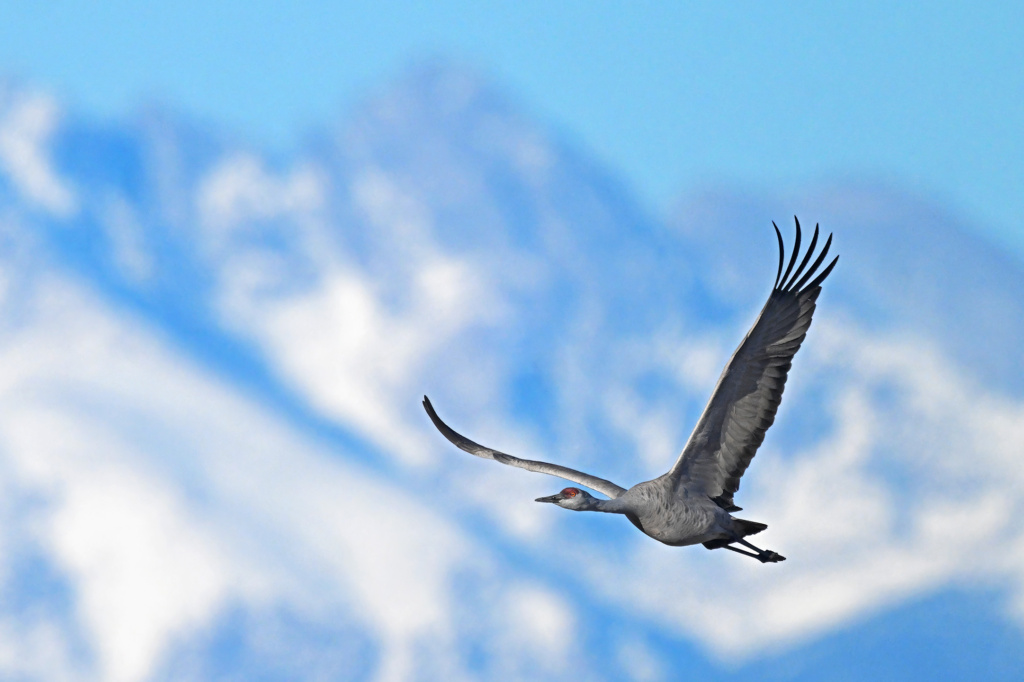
(437, 89)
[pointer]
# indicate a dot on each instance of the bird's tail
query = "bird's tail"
(744, 528)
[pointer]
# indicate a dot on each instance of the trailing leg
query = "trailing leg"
(762, 555)
(765, 556)
(741, 551)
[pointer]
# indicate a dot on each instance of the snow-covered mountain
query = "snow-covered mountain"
(215, 464)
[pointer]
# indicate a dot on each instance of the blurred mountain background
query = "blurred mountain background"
(214, 463)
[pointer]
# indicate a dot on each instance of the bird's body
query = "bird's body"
(692, 502)
(674, 516)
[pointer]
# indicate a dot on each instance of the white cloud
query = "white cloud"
(36, 649)
(654, 429)
(505, 500)
(540, 623)
(25, 129)
(639, 662)
(695, 361)
(530, 632)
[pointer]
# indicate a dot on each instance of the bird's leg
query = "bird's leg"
(765, 556)
(741, 551)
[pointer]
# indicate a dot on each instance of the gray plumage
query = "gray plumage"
(691, 503)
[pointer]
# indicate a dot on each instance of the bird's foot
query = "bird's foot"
(770, 557)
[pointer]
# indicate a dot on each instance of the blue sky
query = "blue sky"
(671, 95)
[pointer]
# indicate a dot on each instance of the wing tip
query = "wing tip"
(782, 255)
(445, 430)
(795, 283)
(792, 258)
(824, 273)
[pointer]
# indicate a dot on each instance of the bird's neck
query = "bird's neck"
(613, 506)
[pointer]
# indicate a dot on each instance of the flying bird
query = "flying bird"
(693, 502)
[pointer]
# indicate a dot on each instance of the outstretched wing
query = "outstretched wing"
(463, 443)
(749, 391)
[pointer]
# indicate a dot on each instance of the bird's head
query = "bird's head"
(570, 498)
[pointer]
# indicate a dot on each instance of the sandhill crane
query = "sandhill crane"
(692, 502)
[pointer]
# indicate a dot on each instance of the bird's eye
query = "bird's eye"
(570, 492)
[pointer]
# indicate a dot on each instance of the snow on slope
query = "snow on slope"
(440, 242)
(160, 502)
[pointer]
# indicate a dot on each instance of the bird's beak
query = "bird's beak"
(553, 499)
